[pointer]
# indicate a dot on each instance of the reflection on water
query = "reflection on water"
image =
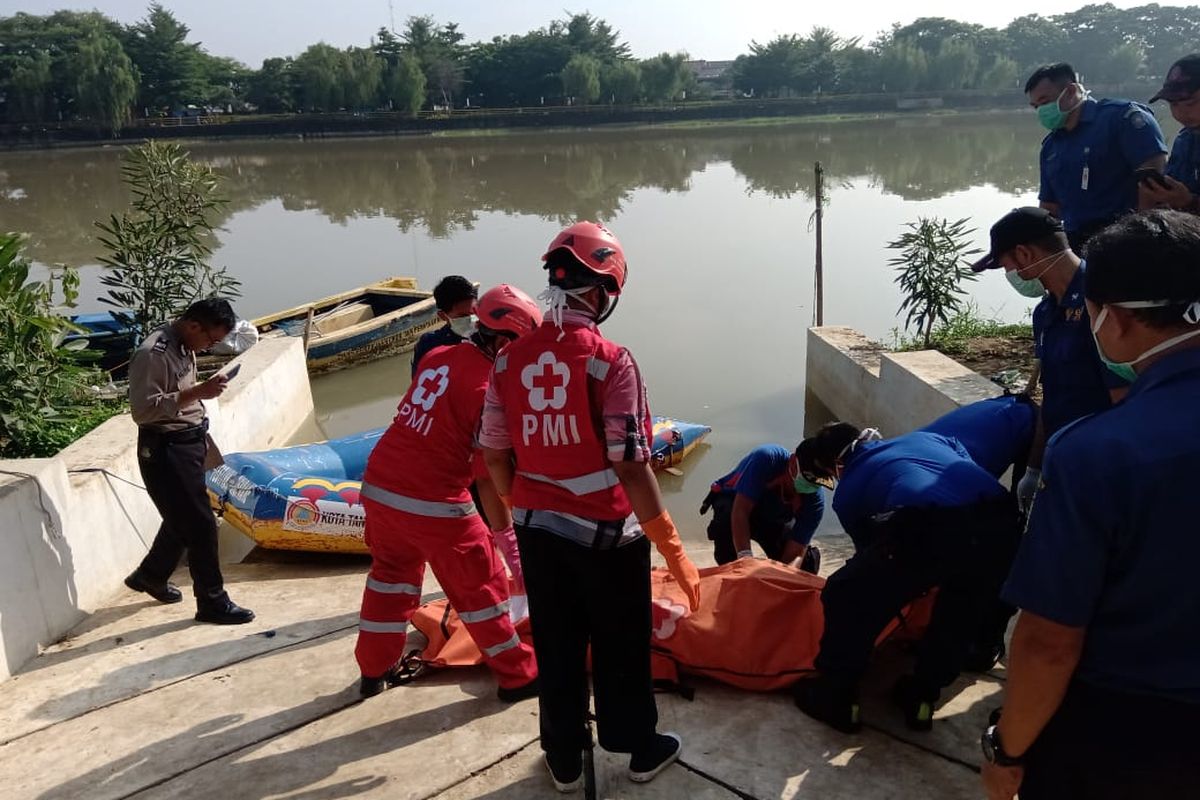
(714, 222)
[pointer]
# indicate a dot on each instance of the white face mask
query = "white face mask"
(463, 326)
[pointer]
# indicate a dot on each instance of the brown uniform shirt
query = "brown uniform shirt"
(161, 368)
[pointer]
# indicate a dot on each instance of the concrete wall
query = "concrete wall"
(68, 537)
(896, 392)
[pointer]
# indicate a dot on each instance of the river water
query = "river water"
(715, 223)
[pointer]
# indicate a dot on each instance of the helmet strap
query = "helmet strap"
(608, 304)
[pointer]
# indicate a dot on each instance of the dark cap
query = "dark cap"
(1017, 227)
(1182, 81)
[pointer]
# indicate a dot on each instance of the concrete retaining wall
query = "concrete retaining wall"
(70, 534)
(896, 392)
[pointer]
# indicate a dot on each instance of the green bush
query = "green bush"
(932, 265)
(46, 401)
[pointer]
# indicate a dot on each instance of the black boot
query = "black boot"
(662, 752)
(222, 612)
(916, 701)
(830, 701)
(515, 694)
(165, 592)
(369, 687)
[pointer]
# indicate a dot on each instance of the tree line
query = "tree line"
(85, 66)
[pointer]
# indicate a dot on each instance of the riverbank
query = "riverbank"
(493, 121)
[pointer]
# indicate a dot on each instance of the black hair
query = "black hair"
(212, 312)
(452, 290)
(1059, 74)
(569, 272)
(1052, 242)
(817, 454)
(1152, 255)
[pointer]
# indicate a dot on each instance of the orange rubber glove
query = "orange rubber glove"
(661, 531)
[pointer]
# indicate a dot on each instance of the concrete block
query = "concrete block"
(843, 371)
(918, 387)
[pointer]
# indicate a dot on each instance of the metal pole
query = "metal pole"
(819, 214)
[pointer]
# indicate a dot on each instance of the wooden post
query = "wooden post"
(819, 277)
(308, 323)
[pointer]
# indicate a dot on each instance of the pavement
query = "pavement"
(141, 702)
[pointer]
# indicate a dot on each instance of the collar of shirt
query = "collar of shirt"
(1165, 370)
(577, 317)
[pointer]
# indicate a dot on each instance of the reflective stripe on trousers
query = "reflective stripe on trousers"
(495, 650)
(584, 484)
(484, 614)
(411, 505)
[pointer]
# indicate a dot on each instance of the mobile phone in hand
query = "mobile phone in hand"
(1151, 176)
(232, 373)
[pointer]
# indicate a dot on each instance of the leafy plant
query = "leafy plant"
(158, 251)
(931, 264)
(45, 402)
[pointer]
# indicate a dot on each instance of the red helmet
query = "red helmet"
(507, 308)
(594, 246)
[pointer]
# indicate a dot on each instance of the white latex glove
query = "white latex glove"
(1028, 487)
(506, 543)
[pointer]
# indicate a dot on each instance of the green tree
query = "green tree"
(1033, 41)
(621, 82)
(28, 86)
(1002, 73)
(170, 68)
(272, 88)
(318, 78)
(590, 36)
(581, 79)
(362, 77)
(405, 85)
(226, 81)
(104, 84)
(158, 251)
(44, 399)
(665, 77)
(770, 68)
(931, 266)
(441, 53)
(903, 66)
(954, 67)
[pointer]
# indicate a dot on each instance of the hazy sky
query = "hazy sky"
(251, 30)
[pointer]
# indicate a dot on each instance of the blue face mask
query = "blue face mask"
(1125, 369)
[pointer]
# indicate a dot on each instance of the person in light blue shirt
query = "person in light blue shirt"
(1103, 695)
(1089, 157)
(922, 514)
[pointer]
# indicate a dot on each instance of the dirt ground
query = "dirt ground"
(1004, 359)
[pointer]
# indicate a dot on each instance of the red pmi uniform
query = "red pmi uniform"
(550, 383)
(419, 510)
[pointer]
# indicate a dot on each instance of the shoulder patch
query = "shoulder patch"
(160, 346)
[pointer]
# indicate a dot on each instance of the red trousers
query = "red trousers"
(464, 560)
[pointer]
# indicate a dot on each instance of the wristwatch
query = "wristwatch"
(993, 751)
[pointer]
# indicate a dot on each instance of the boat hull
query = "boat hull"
(307, 497)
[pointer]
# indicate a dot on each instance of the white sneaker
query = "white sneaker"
(564, 786)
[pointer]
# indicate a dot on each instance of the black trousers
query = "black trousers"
(580, 595)
(965, 552)
(768, 526)
(1109, 745)
(173, 470)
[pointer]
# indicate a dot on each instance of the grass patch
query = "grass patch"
(954, 336)
(54, 433)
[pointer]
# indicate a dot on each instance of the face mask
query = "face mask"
(802, 485)
(1032, 287)
(463, 326)
(1124, 369)
(1051, 116)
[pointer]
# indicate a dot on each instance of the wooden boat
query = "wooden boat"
(307, 497)
(374, 321)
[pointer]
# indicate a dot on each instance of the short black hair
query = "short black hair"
(452, 290)
(1060, 74)
(817, 453)
(1151, 255)
(212, 312)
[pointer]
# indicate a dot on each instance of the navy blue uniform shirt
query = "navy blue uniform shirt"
(995, 432)
(917, 470)
(1184, 163)
(1113, 542)
(1075, 381)
(442, 337)
(1088, 171)
(753, 477)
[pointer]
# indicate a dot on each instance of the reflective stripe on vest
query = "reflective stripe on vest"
(501, 363)
(597, 368)
(584, 484)
(492, 652)
(370, 626)
(411, 505)
(392, 588)
(484, 614)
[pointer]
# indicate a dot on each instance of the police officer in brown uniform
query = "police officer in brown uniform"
(173, 448)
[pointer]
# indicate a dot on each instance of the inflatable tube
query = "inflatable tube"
(306, 497)
(995, 432)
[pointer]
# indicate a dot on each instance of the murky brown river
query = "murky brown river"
(715, 223)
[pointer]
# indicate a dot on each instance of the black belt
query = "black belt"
(195, 433)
